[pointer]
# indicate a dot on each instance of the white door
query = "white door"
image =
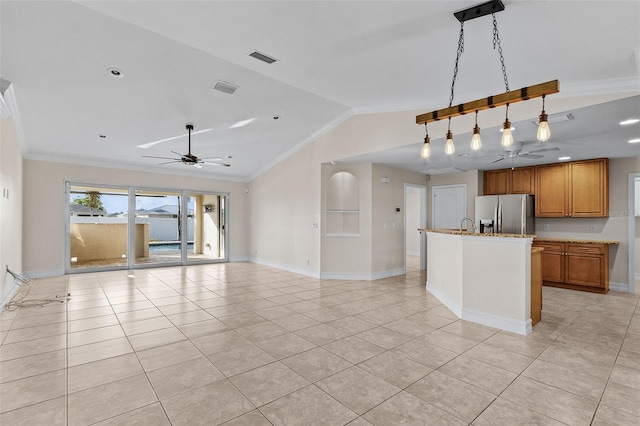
(449, 206)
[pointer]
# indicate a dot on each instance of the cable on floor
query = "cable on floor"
(20, 298)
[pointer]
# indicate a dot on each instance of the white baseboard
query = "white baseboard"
(362, 277)
(240, 259)
(284, 267)
(619, 286)
(507, 324)
(45, 273)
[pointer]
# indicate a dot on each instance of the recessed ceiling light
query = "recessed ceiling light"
(512, 129)
(634, 141)
(115, 72)
(564, 158)
(629, 121)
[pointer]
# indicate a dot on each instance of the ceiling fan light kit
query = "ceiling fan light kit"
(506, 98)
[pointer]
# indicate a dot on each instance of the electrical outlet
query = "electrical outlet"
(593, 228)
(545, 227)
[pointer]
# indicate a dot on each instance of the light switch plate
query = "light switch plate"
(545, 226)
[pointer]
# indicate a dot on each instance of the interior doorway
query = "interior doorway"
(449, 206)
(415, 217)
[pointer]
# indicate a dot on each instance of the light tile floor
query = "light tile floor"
(244, 344)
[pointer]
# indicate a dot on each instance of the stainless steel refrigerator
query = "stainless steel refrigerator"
(505, 214)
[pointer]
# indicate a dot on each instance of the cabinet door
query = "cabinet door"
(523, 180)
(553, 265)
(589, 188)
(551, 190)
(586, 265)
(496, 182)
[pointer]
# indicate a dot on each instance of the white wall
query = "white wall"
(388, 227)
(43, 185)
(10, 205)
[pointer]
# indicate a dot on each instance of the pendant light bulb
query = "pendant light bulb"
(476, 143)
(426, 148)
(544, 132)
(507, 136)
(449, 148)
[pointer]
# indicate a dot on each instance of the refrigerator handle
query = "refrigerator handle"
(499, 216)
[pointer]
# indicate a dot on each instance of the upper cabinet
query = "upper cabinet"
(576, 189)
(520, 180)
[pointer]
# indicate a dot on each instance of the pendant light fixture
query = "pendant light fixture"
(426, 148)
(507, 136)
(476, 143)
(544, 133)
(490, 7)
(449, 147)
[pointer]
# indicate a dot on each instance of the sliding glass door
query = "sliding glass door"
(97, 226)
(126, 227)
(158, 227)
(206, 223)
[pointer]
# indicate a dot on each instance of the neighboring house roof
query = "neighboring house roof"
(162, 210)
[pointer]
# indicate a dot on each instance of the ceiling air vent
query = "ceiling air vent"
(262, 57)
(224, 87)
(556, 118)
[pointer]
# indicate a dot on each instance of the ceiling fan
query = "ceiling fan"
(189, 159)
(516, 152)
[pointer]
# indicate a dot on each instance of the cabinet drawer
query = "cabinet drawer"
(550, 246)
(595, 249)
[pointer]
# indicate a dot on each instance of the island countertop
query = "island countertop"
(568, 240)
(474, 234)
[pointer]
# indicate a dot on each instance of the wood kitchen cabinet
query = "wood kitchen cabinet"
(575, 265)
(520, 180)
(576, 189)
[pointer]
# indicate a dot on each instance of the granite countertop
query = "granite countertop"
(568, 240)
(457, 232)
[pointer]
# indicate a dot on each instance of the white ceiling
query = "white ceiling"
(336, 58)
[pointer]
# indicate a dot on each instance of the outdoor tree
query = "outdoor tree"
(91, 200)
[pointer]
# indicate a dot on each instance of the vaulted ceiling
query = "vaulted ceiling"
(335, 59)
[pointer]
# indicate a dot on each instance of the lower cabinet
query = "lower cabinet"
(579, 266)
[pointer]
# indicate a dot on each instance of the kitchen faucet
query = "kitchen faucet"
(472, 224)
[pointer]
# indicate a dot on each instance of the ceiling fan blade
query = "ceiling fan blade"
(555, 148)
(217, 164)
(197, 166)
(212, 158)
(170, 162)
(150, 144)
(499, 159)
(181, 155)
(162, 158)
(531, 156)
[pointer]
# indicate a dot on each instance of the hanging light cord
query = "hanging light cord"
(496, 42)
(455, 68)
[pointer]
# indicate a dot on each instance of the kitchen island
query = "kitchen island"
(482, 278)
